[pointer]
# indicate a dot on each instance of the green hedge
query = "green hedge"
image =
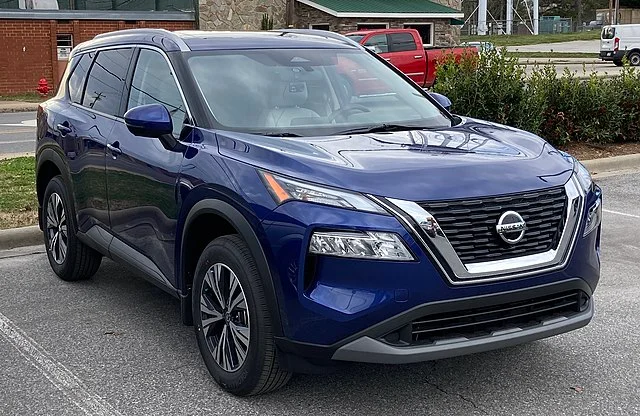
(558, 108)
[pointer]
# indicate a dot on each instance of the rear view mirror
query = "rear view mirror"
(151, 120)
(442, 100)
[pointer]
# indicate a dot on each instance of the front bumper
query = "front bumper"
(376, 350)
(611, 55)
(373, 346)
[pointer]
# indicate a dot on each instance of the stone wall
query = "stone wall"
(444, 33)
(240, 14)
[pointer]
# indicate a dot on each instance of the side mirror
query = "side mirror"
(151, 120)
(442, 100)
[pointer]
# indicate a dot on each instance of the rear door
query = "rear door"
(606, 38)
(406, 56)
(142, 173)
(84, 127)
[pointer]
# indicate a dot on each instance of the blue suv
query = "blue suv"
(308, 204)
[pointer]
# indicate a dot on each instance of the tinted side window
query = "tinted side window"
(106, 81)
(76, 80)
(378, 43)
(153, 83)
(401, 42)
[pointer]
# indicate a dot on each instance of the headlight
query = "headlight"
(365, 245)
(284, 189)
(594, 217)
(583, 176)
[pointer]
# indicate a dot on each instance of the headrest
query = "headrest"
(290, 94)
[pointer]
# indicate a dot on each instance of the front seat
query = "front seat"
(286, 101)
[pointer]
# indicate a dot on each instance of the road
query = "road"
(584, 46)
(578, 67)
(114, 346)
(17, 133)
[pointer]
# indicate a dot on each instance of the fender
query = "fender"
(242, 225)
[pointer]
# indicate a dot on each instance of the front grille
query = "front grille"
(470, 224)
(478, 322)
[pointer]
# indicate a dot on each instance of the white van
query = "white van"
(616, 41)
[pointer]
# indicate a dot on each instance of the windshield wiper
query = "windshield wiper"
(381, 128)
(281, 134)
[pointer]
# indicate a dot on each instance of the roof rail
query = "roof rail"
(319, 33)
(164, 32)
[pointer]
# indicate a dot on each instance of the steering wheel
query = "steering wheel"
(346, 111)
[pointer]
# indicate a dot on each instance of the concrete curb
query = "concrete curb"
(17, 107)
(607, 164)
(30, 236)
(20, 237)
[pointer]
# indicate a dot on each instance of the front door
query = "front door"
(142, 172)
(406, 56)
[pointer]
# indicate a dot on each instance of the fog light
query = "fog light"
(365, 245)
(594, 217)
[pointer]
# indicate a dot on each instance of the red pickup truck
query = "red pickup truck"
(404, 49)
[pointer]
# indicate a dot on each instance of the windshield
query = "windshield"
(355, 38)
(608, 32)
(308, 92)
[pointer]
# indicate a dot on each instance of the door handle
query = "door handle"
(387, 59)
(63, 128)
(417, 56)
(114, 148)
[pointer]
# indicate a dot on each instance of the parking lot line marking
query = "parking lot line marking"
(621, 213)
(59, 375)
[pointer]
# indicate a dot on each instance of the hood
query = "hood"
(473, 158)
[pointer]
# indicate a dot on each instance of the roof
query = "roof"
(195, 40)
(384, 8)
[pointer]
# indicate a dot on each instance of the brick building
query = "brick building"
(36, 43)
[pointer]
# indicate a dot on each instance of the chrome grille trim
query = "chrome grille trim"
(424, 228)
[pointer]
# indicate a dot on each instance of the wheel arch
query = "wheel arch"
(49, 164)
(230, 220)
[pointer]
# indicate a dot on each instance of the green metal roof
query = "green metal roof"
(381, 8)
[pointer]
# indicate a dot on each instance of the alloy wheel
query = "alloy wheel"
(56, 226)
(225, 317)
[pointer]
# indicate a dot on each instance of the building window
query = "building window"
(319, 26)
(425, 30)
(370, 26)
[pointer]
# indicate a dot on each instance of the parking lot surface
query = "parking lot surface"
(114, 345)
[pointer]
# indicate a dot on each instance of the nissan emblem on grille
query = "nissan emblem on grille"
(511, 227)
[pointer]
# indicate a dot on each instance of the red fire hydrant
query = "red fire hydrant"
(43, 87)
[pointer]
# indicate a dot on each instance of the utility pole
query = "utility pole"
(617, 16)
(482, 17)
(610, 15)
(536, 17)
(509, 17)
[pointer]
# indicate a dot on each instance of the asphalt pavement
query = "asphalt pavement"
(584, 46)
(17, 133)
(114, 345)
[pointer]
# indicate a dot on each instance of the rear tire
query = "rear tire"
(617, 62)
(69, 258)
(233, 326)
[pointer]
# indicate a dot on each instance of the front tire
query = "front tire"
(233, 326)
(69, 258)
(634, 58)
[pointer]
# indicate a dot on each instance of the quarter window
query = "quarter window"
(153, 83)
(106, 81)
(76, 80)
